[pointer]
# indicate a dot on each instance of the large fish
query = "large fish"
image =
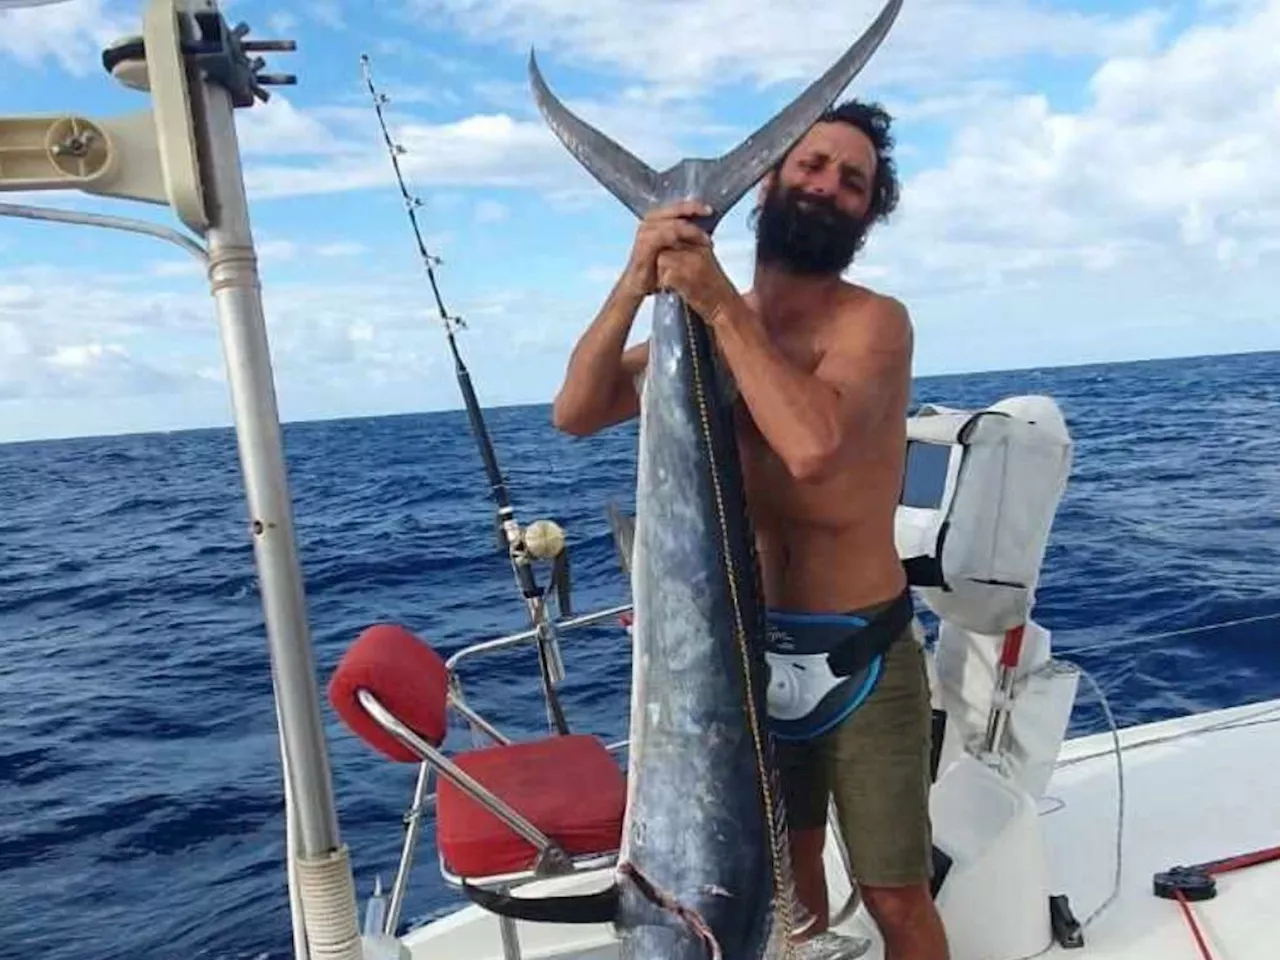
(704, 869)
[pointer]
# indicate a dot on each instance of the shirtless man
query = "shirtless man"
(822, 370)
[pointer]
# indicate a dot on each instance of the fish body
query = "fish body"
(704, 833)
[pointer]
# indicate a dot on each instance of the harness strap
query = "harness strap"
(598, 907)
(873, 639)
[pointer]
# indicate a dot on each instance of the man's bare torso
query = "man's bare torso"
(827, 545)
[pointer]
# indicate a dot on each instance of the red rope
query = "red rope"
(1242, 861)
(1195, 927)
(1212, 870)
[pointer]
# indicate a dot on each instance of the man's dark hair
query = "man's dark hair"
(874, 121)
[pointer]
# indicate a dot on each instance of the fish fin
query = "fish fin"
(827, 945)
(624, 535)
(789, 912)
(624, 175)
(748, 162)
(599, 907)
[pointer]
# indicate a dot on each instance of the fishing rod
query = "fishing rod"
(541, 540)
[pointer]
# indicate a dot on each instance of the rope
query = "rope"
(1255, 718)
(1115, 739)
(1111, 898)
(1169, 634)
(1195, 927)
(1215, 869)
(1263, 715)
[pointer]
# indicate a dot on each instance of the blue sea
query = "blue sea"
(140, 793)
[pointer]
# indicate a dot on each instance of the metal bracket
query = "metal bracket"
(222, 54)
(552, 862)
(181, 41)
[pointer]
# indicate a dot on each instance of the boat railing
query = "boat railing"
(529, 636)
(424, 798)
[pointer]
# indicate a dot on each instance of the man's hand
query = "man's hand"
(696, 275)
(663, 229)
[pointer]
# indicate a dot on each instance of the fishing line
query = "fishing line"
(509, 533)
(788, 905)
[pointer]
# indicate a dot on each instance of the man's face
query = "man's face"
(812, 213)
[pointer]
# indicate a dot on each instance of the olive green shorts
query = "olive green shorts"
(876, 766)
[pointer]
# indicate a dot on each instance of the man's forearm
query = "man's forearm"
(798, 415)
(593, 375)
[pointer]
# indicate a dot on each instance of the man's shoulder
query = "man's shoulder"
(870, 319)
(857, 299)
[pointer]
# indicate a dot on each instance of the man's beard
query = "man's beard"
(813, 239)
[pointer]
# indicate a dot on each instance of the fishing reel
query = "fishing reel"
(545, 540)
(541, 540)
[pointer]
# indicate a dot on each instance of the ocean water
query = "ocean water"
(140, 798)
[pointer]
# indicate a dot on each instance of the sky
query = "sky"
(1083, 181)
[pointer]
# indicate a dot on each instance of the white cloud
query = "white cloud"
(1154, 207)
(334, 338)
(88, 370)
(327, 12)
(269, 249)
(178, 268)
(788, 40)
(490, 211)
(278, 128)
(1174, 157)
(1138, 214)
(292, 151)
(481, 150)
(275, 249)
(282, 24)
(71, 34)
(343, 248)
(475, 151)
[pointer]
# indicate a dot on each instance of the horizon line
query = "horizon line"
(228, 425)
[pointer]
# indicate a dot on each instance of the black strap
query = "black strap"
(938, 733)
(873, 639)
(600, 907)
(923, 571)
(926, 570)
(942, 864)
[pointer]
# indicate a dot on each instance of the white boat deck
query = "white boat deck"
(1197, 788)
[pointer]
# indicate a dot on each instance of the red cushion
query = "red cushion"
(569, 787)
(406, 676)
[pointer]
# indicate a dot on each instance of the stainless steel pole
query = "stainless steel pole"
(234, 283)
(221, 76)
